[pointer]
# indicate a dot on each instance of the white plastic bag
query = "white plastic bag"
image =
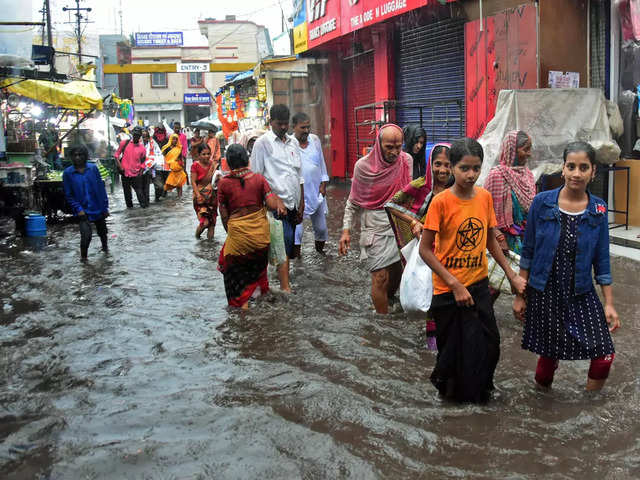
(277, 251)
(416, 285)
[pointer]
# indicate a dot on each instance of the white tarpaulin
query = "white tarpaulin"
(552, 118)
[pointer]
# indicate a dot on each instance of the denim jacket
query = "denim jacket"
(542, 235)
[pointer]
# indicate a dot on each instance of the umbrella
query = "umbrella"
(207, 123)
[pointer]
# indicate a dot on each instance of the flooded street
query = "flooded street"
(133, 367)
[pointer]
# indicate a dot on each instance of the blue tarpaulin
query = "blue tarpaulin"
(236, 77)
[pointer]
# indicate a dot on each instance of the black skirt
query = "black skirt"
(468, 345)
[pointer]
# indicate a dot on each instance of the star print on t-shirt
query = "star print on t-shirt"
(470, 234)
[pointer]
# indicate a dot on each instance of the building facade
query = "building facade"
(187, 97)
(230, 41)
(170, 97)
(109, 45)
(442, 63)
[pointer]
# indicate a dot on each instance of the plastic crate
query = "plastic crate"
(16, 176)
(23, 158)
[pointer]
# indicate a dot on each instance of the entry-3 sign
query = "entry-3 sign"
(192, 67)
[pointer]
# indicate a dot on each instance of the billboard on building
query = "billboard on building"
(197, 99)
(317, 21)
(300, 38)
(159, 39)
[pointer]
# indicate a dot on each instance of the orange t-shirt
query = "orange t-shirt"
(461, 228)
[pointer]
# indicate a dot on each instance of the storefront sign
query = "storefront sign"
(323, 21)
(197, 99)
(159, 39)
(262, 89)
(362, 13)
(192, 67)
(318, 21)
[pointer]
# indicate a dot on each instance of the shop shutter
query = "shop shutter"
(430, 69)
(599, 47)
(359, 80)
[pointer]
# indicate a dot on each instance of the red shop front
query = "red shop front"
(358, 40)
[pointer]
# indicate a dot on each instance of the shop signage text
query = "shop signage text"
(197, 99)
(192, 67)
(158, 39)
(318, 21)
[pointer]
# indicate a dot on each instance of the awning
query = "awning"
(238, 77)
(76, 95)
(157, 107)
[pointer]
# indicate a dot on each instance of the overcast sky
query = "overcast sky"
(166, 15)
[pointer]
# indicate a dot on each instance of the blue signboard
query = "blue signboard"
(158, 39)
(197, 99)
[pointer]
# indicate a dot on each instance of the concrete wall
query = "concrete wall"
(109, 55)
(230, 41)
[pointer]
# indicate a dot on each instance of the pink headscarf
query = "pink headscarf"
(375, 181)
(506, 177)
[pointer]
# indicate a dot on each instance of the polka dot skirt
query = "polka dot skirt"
(560, 324)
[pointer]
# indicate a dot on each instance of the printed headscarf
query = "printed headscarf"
(375, 181)
(507, 177)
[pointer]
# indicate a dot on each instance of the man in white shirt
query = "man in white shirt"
(276, 157)
(314, 173)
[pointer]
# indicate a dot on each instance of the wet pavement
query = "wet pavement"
(133, 367)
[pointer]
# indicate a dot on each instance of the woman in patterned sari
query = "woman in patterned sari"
(205, 201)
(408, 208)
(242, 196)
(512, 186)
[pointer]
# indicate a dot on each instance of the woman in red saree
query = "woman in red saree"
(205, 201)
(242, 196)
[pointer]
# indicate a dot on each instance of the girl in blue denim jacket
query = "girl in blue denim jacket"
(567, 236)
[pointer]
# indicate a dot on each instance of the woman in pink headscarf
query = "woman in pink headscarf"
(376, 179)
(512, 186)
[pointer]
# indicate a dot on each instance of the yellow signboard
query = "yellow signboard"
(300, 38)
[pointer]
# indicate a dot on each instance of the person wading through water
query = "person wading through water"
(205, 200)
(130, 158)
(566, 239)
(408, 208)
(314, 172)
(276, 156)
(242, 196)
(376, 179)
(461, 222)
(85, 191)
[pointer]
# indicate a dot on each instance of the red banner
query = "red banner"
(329, 19)
(363, 13)
(323, 21)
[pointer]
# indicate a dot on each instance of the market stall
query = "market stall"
(43, 118)
(241, 103)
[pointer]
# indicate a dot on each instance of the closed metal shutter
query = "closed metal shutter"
(359, 79)
(430, 70)
(599, 47)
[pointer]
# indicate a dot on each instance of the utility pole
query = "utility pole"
(79, 20)
(44, 20)
(49, 34)
(120, 13)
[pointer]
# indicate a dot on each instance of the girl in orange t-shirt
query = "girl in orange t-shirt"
(462, 222)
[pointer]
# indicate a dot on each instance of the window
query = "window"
(196, 79)
(159, 80)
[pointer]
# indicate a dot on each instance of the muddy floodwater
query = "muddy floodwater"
(133, 367)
